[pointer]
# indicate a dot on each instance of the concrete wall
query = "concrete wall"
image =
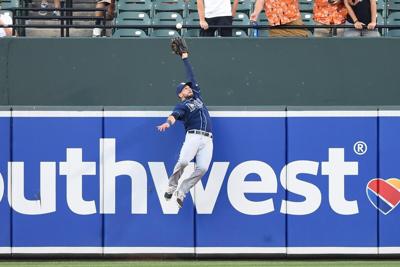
(143, 72)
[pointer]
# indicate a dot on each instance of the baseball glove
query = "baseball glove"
(178, 46)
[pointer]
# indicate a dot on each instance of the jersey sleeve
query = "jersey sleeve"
(191, 78)
(179, 112)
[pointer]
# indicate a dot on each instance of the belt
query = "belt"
(200, 132)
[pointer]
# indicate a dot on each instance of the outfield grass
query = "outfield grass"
(264, 263)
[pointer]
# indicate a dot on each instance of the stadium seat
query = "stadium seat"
(192, 6)
(134, 18)
(380, 5)
(393, 6)
(167, 18)
(307, 18)
(244, 6)
(192, 19)
(177, 6)
(164, 33)
(135, 5)
(306, 5)
(241, 19)
(239, 33)
(262, 20)
(6, 4)
(129, 33)
(394, 19)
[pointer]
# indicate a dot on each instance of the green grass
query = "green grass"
(228, 263)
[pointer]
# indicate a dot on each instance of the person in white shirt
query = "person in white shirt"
(5, 20)
(216, 12)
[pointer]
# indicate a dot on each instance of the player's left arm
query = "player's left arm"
(190, 74)
(170, 121)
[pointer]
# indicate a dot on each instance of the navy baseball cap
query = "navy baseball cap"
(180, 87)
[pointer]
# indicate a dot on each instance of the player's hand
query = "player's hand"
(371, 26)
(358, 25)
(203, 24)
(163, 127)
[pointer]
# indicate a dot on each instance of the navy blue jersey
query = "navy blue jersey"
(193, 112)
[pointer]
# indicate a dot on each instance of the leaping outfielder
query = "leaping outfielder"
(196, 119)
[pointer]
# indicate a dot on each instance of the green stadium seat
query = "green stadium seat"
(7, 4)
(192, 6)
(307, 18)
(192, 33)
(239, 33)
(306, 5)
(262, 20)
(134, 18)
(164, 33)
(129, 33)
(394, 19)
(177, 6)
(244, 6)
(167, 18)
(380, 5)
(135, 5)
(239, 20)
(393, 5)
(192, 19)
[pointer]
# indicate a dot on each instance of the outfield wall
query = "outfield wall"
(231, 72)
(283, 181)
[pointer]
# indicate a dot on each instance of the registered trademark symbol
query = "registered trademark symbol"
(360, 148)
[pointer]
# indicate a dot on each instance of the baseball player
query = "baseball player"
(197, 122)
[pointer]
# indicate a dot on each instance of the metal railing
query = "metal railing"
(20, 15)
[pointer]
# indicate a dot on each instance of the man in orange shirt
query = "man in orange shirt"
(281, 12)
(329, 12)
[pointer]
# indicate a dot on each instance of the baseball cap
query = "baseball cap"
(180, 87)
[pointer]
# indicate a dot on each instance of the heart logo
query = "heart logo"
(384, 194)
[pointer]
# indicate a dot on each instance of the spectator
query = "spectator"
(329, 12)
(45, 4)
(361, 13)
(281, 12)
(216, 12)
(5, 20)
(110, 5)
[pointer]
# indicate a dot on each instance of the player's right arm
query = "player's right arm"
(170, 121)
(177, 114)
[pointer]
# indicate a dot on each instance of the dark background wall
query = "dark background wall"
(124, 72)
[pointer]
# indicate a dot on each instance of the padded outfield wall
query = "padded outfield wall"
(283, 181)
(249, 72)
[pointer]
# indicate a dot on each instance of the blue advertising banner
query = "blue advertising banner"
(5, 198)
(387, 188)
(330, 161)
(280, 182)
(55, 182)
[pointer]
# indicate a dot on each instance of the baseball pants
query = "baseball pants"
(195, 145)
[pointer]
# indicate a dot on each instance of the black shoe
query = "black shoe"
(167, 196)
(180, 202)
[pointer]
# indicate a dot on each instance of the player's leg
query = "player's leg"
(203, 160)
(188, 151)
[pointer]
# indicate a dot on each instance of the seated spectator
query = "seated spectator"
(45, 4)
(216, 12)
(329, 12)
(361, 13)
(110, 5)
(281, 12)
(5, 20)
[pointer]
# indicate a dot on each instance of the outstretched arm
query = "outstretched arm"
(189, 70)
(170, 121)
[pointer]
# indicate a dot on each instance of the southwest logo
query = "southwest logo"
(384, 194)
